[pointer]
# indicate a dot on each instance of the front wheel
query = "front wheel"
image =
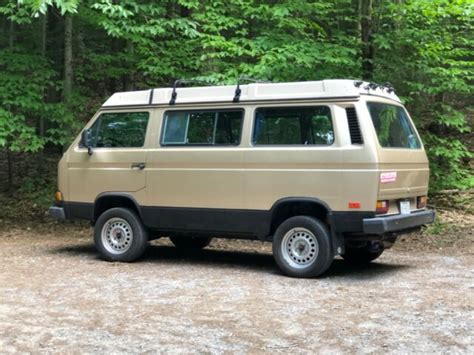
(119, 235)
(302, 247)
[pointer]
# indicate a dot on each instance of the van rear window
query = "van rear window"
(202, 127)
(299, 125)
(394, 129)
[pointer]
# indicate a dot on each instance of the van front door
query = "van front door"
(118, 160)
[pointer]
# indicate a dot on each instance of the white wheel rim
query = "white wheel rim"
(299, 248)
(117, 235)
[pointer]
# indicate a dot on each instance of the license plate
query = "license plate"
(404, 207)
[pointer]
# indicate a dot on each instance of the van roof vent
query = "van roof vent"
(354, 129)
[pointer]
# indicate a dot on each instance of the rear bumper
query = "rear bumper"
(57, 212)
(397, 223)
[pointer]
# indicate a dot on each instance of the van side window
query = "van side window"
(119, 130)
(293, 125)
(202, 127)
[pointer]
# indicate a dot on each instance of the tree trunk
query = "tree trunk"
(12, 34)
(129, 79)
(10, 170)
(11, 41)
(44, 29)
(359, 16)
(112, 82)
(3, 25)
(68, 70)
(367, 39)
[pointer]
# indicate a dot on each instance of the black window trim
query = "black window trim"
(204, 145)
(252, 144)
(149, 112)
(357, 121)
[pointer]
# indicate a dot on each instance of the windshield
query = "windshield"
(394, 129)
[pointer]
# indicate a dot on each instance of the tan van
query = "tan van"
(319, 169)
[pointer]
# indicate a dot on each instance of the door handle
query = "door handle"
(138, 166)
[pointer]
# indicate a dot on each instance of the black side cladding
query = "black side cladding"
(354, 129)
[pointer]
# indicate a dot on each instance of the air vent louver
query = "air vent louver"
(354, 129)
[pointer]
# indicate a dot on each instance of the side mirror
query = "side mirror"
(86, 140)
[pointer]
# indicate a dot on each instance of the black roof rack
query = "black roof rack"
(181, 82)
(372, 86)
(242, 79)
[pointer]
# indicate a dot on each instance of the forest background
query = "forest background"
(59, 60)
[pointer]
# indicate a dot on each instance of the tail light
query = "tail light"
(421, 201)
(381, 207)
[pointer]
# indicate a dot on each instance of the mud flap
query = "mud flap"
(337, 239)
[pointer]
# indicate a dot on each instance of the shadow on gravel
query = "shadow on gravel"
(342, 269)
(212, 257)
(83, 249)
(259, 262)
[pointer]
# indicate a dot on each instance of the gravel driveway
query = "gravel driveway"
(57, 296)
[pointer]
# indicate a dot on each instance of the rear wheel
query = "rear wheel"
(190, 242)
(119, 235)
(302, 248)
(363, 255)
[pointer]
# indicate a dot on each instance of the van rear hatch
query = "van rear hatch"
(404, 169)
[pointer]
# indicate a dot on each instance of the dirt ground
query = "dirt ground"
(57, 296)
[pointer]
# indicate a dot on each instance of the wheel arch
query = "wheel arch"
(108, 200)
(293, 206)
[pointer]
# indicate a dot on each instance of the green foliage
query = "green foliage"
(447, 157)
(37, 7)
(437, 228)
(289, 40)
(423, 47)
(30, 200)
(22, 83)
(25, 77)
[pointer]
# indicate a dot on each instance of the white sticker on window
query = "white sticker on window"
(388, 177)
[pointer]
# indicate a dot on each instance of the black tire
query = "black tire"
(316, 256)
(190, 242)
(361, 256)
(126, 239)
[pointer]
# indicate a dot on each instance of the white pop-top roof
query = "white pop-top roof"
(324, 89)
